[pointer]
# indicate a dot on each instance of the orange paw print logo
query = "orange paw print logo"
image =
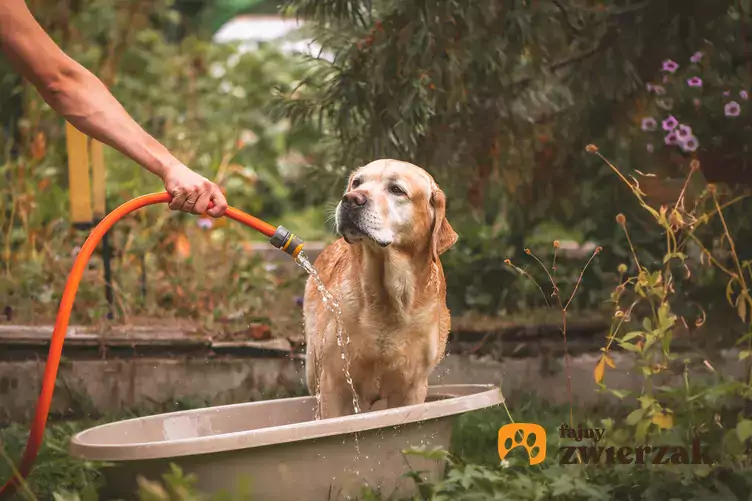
(530, 436)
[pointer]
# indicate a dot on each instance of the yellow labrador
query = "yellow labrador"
(390, 286)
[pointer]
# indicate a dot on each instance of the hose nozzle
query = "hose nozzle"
(283, 239)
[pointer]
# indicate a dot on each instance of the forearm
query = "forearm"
(89, 106)
(73, 91)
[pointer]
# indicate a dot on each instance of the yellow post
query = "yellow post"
(97, 178)
(78, 175)
(83, 215)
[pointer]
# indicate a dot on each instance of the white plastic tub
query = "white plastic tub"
(279, 449)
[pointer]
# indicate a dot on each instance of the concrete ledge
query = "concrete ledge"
(31, 342)
(18, 341)
(108, 385)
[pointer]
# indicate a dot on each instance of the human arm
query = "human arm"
(85, 102)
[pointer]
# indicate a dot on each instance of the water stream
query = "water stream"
(343, 339)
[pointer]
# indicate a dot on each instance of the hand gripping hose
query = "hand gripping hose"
(279, 237)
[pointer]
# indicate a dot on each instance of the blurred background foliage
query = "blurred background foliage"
(496, 99)
(207, 103)
(499, 99)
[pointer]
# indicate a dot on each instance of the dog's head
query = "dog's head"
(389, 202)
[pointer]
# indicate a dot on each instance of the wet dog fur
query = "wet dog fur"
(386, 273)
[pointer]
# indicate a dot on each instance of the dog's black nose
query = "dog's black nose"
(354, 199)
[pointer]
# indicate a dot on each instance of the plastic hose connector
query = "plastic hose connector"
(286, 240)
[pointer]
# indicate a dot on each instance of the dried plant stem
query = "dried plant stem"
(545, 270)
(723, 206)
(579, 279)
(23, 486)
(617, 171)
(563, 308)
(733, 247)
(632, 248)
(526, 274)
(710, 257)
(11, 221)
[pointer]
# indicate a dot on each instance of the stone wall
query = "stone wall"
(109, 385)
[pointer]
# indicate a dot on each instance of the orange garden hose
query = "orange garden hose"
(280, 237)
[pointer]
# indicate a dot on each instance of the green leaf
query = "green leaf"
(666, 341)
(702, 470)
(630, 347)
(650, 339)
(635, 416)
(641, 430)
(731, 442)
(665, 319)
(647, 324)
(674, 255)
(631, 335)
(618, 393)
(744, 429)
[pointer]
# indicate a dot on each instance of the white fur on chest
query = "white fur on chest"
(399, 284)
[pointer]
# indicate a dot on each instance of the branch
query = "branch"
(578, 58)
(574, 59)
(565, 16)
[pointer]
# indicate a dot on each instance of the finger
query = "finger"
(178, 198)
(190, 202)
(203, 202)
(220, 204)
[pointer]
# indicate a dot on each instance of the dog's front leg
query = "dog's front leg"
(336, 395)
(409, 395)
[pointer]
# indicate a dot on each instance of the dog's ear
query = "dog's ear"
(443, 235)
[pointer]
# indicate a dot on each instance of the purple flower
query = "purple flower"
(696, 57)
(670, 123)
(727, 93)
(649, 147)
(670, 138)
(690, 144)
(649, 123)
(683, 132)
(670, 66)
(732, 109)
(743, 94)
(695, 82)
(205, 223)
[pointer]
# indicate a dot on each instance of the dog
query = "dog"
(387, 279)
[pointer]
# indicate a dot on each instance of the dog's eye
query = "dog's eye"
(396, 190)
(356, 183)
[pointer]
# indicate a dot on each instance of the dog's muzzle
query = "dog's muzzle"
(349, 215)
